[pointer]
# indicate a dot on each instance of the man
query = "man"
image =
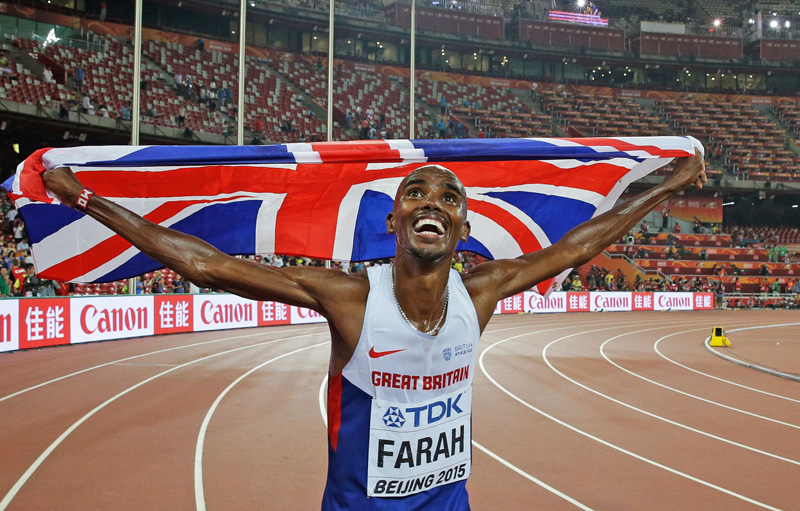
(31, 281)
(404, 336)
(18, 278)
(5, 282)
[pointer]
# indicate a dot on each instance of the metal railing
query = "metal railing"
(90, 43)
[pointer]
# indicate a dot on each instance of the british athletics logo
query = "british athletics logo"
(325, 200)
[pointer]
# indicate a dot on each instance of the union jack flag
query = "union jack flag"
(324, 200)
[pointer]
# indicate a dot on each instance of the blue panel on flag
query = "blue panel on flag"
(474, 245)
(370, 240)
(202, 155)
(555, 215)
(42, 220)
(506, 149)
(229, 227)
(136, 265)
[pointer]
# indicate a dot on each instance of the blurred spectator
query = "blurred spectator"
(5, 282)
(125, 113)
(79, 74)
(156, 283)
(178, 285)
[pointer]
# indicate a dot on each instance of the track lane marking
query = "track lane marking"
(753, 389)
(653, 415)
(749, 365)
(687, 394)
(604, 442)
(38, 462)
(134, 357)
(199, 492)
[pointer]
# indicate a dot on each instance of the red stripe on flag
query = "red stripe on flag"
(601, 179)
(627, 146)
(544, 286)
(513, 225)
(30, 179)
(216, 180)
(110, 248)
(379, 151)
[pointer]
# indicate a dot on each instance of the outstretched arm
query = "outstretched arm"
(201, 263)
(495, 280)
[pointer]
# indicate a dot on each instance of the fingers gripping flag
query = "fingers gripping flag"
(324, 200)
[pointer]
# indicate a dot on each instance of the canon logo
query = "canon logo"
(227, 313)
(610, 302)
(674, 301)
(539, 302)
(113, 320)
(5, 327)
(308, 313)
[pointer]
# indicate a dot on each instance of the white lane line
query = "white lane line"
(323, 412)
(118, 361)
(604, 442)
(502, 461)
(323, 395)
(651, 414)
(199, 492)
(749, 365)
(531, 478)
(36, 464)
(655, 346)
(687, 394)
(145, 365)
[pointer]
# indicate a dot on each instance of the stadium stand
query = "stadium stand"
(602, 116)
(108, 73)
(752, 141)
(751, 145)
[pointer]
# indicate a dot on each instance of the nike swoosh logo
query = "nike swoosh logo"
(378, 354)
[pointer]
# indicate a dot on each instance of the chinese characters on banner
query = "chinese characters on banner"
(38, 322)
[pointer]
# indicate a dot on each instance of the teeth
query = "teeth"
(429, 221)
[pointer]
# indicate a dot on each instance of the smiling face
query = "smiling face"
(430, 214)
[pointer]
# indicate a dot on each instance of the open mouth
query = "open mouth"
(428, 227)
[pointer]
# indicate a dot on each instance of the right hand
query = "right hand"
(690, 171)
(63, 184)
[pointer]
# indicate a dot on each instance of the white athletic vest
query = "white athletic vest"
(418, 389)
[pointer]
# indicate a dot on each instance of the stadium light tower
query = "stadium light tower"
(329, 119)
(242, 70)
(412, 82)
(137, 81)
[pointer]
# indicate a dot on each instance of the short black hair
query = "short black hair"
(459, 185)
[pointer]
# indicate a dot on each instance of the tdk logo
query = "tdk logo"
(446, 353)
(434, 412)
(394, 417)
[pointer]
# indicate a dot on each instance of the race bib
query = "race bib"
(416, 447)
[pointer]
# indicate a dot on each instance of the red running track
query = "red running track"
(600, 411)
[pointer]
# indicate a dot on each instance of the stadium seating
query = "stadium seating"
(108, 72)
(717, 258)
(22, 86)
(602, 116)
(789, 114)
(752, 146)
